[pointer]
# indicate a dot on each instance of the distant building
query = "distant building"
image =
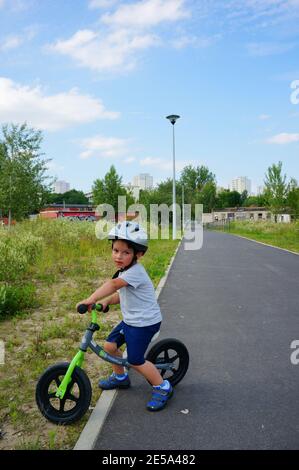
(61, 187)
(143, 181)
(245, 213)
(240, 184)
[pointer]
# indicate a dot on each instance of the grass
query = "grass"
(282, 235)
(69, 267)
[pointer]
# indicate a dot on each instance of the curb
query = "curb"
(94, 425)
(265, 244)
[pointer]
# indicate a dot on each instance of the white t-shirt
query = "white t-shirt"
(138, 301)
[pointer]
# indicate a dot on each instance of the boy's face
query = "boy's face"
(122, 254)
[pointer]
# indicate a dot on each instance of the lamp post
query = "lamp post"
(173, 118)
(183, 207)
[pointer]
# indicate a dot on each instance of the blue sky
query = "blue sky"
(99, 77)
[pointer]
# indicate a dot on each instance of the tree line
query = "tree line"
(25, 187)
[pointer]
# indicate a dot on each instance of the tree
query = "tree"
(293, 198)
(70, 197)
(162, 194)
(228, 198)
(258, 201)
(207, 196)
(199, 187)
(23, 186)
(276, 188)
(194, 179)
(243, 197)
(107, 190)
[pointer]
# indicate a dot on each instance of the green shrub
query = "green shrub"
(16, 299)
(59, 231)
(17, 252)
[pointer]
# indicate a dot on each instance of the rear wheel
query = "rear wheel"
(76, 400)
(170, 351)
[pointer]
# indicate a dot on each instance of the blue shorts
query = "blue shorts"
(136, 338)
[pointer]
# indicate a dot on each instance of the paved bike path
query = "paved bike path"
(234, 303)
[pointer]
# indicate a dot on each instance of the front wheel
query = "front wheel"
(76, 400)
(174, 353)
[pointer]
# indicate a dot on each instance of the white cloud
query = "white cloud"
(251, 15)
(113, 52)
(124, 34)
(21, 103)
(147, 13)
(16, 40)
(264, 117)
(268, 10)
(283, 138)
(10, 42)
(109, 147)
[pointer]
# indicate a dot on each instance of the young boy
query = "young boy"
(133, 289)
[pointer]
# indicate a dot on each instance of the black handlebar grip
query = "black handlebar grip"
(99, 308)
(82, 308)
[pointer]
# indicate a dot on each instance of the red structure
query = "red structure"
(4, 221)
(69, 211)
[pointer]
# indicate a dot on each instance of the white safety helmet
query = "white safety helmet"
(131, 232)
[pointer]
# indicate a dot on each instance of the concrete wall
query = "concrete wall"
(245, 215)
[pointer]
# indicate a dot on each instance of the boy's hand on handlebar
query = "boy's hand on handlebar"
(88, 306)
(105, 305)
(85, 302)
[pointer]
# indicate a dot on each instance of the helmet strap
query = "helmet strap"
(134, 261)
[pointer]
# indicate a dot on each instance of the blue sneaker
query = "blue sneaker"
(159, 399)
(112, 382)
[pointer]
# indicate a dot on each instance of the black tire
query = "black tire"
(170, 350)
(76, 400)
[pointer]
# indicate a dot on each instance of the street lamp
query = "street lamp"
(183, 207)
(173, 118)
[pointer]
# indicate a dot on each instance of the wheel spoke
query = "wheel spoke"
(174, 358)
(62, 403)
(166, 355)
(52, 395)
(73, 398)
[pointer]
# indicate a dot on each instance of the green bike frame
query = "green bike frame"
(87, 342)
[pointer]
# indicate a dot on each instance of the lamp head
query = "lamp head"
(173, 118)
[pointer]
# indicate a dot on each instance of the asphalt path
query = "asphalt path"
(235, 304)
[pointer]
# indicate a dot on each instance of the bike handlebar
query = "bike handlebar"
(83, 308)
